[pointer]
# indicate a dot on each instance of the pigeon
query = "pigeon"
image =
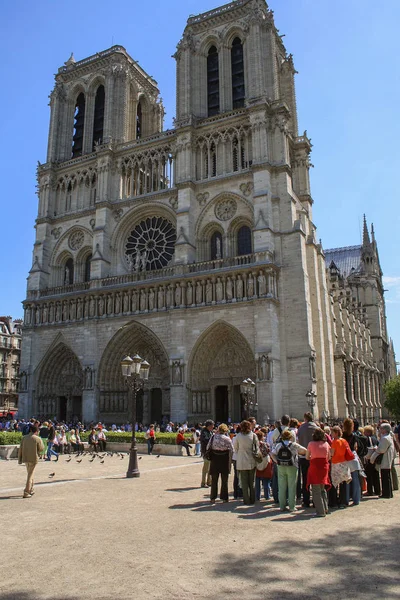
(102, 462)
(79, 461)
(69, 460)
(51, 474)
(122, 456)
(91, 460)
(158, 455)
(140, 457)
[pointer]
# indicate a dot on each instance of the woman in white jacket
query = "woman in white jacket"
(245, 444)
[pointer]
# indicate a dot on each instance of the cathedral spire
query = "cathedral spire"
(366, 240)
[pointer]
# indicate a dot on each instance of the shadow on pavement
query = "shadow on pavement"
(185, 489)
(362, 565)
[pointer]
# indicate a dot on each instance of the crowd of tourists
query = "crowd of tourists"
(311, 463)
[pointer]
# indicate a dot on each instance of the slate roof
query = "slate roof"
(345, 259)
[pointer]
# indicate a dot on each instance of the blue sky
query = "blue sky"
(348, 91)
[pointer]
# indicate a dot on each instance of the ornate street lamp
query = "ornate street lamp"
(248, 391)
(311, 400)
(135, 372)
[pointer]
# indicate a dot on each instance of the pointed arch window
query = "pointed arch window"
(98, 125)
(216, 246)
(244, 245)
(79, 123)
(212, 82)
(87, 268)
(237, 63)
(69, 272)
(139, 121)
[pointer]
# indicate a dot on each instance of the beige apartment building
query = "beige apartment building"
(10, 355)
(194, 247)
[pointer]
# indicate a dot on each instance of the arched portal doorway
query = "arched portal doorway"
(59, 385)
(220, 360)
(154, 401)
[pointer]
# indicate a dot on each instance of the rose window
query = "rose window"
(151, 244)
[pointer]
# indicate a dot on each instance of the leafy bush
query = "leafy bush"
(9, 438)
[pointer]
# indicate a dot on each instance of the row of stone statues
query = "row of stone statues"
(232, 288)
(201, 403)
(114, 402)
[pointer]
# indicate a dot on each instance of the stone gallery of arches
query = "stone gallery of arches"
(194, 247)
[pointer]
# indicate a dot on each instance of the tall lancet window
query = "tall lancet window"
(238, 91)
(213, 81)
(98, 125)
(139, 121)
(79, 123)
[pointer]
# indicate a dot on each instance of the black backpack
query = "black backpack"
(362, 444)
(285, 456)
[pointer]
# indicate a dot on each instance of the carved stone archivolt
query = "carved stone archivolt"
(232, 287)
(226, 209)
(222, 354)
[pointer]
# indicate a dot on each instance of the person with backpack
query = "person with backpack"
(305, 436)
(286, 456)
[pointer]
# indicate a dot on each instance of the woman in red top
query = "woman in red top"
(319, 453)
(340, 475)
(180, 440)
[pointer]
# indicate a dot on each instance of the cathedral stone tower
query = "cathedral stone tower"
(193, 247)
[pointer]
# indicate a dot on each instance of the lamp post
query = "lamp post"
(135, 372)
(248, 391)
(311, 400)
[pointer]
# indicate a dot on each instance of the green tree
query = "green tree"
(392, 394)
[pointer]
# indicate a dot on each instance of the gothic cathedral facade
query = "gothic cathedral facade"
(194, 247)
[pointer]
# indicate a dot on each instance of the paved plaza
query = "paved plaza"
(89, 532)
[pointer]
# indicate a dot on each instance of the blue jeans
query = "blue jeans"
(50, 450)
(353, 489)
(150, 444)
(265, 484)
(197, 448)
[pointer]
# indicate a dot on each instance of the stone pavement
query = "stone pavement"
(90, 533)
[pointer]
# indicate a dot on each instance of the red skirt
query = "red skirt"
(318, 472)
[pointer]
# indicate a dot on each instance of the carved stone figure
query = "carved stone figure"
(45, 314)
(143, 260)
(262, 284)
(250, 287)
(28, 315)
(176, 372)
(218, 248)
(117, 303)
(66, 276)
(229, 289)
(79, 309)
(88, 378)
(51, 313)
(209, 291)
(109, 304)
(65, 311)
(37, 317)
(219, 290)
(143, 300)
(91, 307)
(137, 261)
(239, 288)
(72, 310)
(134, 301)
(126, 302)
(199, 293)
(313, 366)
(178, 295)
(189, 294)
(160, 297)
(101, 306)
(58, 312)
(151, 299)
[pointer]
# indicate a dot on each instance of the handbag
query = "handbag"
(258, 457)
(208, 452)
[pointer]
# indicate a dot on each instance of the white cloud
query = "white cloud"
(392, 285)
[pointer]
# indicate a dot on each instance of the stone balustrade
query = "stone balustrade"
(240, 284)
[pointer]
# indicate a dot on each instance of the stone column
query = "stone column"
(89, 406)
